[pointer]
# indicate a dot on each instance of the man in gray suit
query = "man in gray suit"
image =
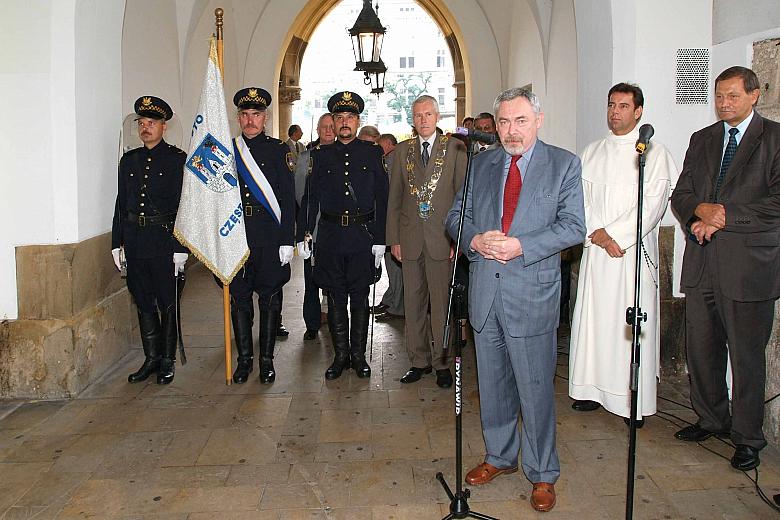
(524, 205)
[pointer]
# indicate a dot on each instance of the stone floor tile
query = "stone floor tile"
(345, 426)
(16, 479)
(243, 445)
(27, 415)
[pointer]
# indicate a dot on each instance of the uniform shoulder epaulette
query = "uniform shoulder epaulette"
(177, 149)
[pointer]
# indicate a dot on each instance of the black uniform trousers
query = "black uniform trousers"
(151, 282)
(712, 321)
(263, 274)
(311, 298)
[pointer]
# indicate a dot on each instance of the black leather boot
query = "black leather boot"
(149, 323)
(168, 360)
(269, 321)
(338, 323)
(358, 335)
(242, 330)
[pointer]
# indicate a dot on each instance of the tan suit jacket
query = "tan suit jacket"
(404, 226)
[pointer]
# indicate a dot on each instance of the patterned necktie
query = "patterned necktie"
(728, 155)
(514, 183)
(425, 155)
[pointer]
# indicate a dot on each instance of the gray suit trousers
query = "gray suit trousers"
(394, 295)
(516, 376)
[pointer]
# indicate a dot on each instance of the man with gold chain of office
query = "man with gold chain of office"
(348, 187)
(427, 172)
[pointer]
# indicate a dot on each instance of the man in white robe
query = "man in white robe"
(600, 354)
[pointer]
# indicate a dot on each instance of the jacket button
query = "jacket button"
(498, 275)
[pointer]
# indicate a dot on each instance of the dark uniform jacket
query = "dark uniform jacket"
(748, 248)
(346, 179)
(261, 228)
(149, 188)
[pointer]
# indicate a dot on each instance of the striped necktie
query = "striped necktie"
(728, 155)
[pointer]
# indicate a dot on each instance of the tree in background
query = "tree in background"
(404, 90)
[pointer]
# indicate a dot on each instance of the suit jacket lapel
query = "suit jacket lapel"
(747, 146)
(432, 153)
(713, 156)
(532, 179)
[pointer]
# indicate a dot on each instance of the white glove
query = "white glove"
(115, 254)
(378, 252)
(179, 259)
(285, 254)
(303, 250)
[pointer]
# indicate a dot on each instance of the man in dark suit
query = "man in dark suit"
(728, 198)
(524, 206)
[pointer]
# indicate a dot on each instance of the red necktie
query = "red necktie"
(514, 183)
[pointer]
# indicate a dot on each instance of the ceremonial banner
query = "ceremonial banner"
(210, 217)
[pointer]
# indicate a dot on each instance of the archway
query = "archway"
(308, 19)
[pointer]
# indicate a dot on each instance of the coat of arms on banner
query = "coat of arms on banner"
(212, 164)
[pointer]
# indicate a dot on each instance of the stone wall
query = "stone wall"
(75, 320)
(766, 64)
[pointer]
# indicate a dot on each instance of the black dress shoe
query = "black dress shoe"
(281, 332)
(414, 374)
(585, 405)
(745, 458)
(310, 334)
(388, 316)
(444, 378)
(378, 309)
(639, 422)
(696, 433)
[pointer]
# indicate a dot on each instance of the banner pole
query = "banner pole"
(219, 13)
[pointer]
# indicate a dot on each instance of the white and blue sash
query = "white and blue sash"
(255, 179)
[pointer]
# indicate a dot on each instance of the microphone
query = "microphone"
(475, 134)
(645, 133)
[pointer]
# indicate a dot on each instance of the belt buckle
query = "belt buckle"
(344, 220)
(248, 210)
(141, 221)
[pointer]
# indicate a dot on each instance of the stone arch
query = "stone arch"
(304, 25)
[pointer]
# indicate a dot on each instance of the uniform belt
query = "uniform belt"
(345, 220)
(154, 220)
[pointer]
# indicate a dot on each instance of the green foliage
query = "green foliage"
(404, 90)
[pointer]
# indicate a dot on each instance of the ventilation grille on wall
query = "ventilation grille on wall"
(693, 77)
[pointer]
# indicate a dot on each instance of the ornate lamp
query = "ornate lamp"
(375, 76)
(367, 36)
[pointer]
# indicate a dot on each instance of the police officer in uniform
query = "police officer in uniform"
(348, 187)
(150, 180)
(269, 216)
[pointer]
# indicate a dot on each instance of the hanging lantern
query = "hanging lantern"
(367, 35)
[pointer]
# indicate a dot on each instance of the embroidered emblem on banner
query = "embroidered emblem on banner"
(212, 164)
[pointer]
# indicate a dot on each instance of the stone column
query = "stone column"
(287, 96)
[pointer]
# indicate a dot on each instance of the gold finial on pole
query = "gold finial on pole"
(219, 13)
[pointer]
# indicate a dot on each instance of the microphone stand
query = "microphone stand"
(459, 506)
(635, 317)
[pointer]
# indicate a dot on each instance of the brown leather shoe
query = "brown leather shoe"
(484, 473)
(543, 496)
